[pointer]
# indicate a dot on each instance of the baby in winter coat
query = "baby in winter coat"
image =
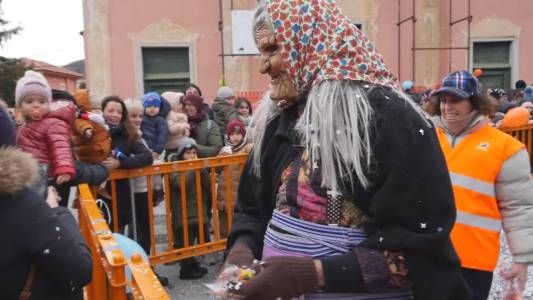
(154, 125)
(178, 126)
(45, 131)
(91, 133)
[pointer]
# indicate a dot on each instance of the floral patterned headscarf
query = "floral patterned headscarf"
(320, 43)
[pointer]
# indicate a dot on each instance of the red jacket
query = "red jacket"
(49, 139)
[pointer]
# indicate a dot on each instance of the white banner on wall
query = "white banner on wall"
(241, 30)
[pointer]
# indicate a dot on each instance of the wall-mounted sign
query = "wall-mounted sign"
(242, 35)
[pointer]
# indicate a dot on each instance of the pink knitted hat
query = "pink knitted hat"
(32, 83)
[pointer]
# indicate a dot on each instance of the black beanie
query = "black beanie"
(63, 95)
(520, 84)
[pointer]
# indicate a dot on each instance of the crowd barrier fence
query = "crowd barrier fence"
(218, 169)
(523, 133)
(109, 262)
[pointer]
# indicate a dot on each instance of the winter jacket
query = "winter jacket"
(192, 196)
(224, 112)
(514, 193)
(49, 139)
(409, 202)
(138, 156)
(208, 139)
(155, 129)
(176, 129)
(33, 234)
(94, 149)
(234, 176)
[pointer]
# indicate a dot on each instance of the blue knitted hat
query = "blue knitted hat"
(151, 99)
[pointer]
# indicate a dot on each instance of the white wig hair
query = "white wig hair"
(335, 126)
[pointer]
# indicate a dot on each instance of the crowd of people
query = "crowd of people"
(354, 188)
(74, 142)
(511, 108)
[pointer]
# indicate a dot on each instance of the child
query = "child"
(178, 126)
(91, 134)
(45, 133)
(187, 150)
(236, 143)
(154, 126)
(88, 167)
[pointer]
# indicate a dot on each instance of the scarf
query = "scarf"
(456, 127)
(319, 43)
(195, 122)
(236, 147)
(115, 130)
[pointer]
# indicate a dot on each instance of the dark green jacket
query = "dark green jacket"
(224, 113)
(191, 196)
(208, 139)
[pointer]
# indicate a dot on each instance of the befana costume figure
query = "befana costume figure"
(346, 194)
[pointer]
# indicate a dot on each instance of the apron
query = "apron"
(289, 236)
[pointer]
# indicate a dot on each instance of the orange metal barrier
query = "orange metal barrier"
(204, 245)
(109, 278)
(523, 133)
(252, 96)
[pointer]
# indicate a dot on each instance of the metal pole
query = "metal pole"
(414, 41)
(468, 41)
(133, 211)
(399, 40)
(221, 29)
(450, 37)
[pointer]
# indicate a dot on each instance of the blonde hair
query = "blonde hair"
(134, 106)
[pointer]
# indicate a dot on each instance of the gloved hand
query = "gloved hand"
(282, 277)
(240, 255)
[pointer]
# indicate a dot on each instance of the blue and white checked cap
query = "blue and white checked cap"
(461, 84)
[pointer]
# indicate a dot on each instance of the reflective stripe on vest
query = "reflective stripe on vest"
(473, 184)
(477, 221)
(474, 164)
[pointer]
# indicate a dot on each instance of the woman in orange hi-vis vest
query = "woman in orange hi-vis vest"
(489, 171)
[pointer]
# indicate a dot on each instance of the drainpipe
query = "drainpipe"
(221, 29)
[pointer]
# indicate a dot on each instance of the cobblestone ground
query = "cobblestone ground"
(196, 289)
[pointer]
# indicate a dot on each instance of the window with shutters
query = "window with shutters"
(165, 68)
(495, 59)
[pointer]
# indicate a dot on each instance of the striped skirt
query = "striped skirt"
(288, 236)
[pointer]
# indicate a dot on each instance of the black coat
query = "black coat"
(410, 186)
(33, 233)
(138, 156)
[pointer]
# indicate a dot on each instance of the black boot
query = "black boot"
(190, 269)
(162, 279)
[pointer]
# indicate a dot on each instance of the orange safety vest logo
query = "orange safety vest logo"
(484, 146)
(474, 165)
